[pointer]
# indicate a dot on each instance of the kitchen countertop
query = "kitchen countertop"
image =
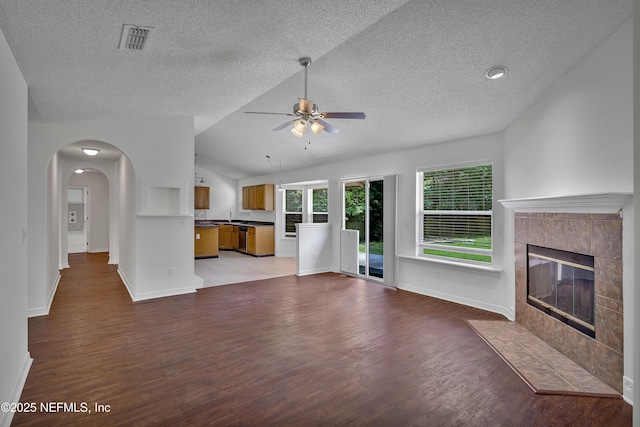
(209, 223)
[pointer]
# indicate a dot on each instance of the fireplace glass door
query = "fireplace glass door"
(562, 284)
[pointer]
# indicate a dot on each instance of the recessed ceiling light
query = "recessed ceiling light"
(90, 151)
(496, 72)
(79, 170)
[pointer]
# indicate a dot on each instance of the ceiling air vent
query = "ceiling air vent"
(134, 37)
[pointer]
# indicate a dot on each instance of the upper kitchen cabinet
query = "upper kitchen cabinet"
(258, 197)
(201, 198)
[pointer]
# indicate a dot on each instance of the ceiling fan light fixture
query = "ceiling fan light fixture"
(316, 128)
(297, 132)
(300, 125)
(90, 151)
(495, 73)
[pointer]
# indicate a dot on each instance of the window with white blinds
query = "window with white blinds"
(292, 211)
(319, 205)
(456, 215)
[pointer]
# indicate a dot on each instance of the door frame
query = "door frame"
(390, 190)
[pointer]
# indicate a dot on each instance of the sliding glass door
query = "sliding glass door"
(364, 211)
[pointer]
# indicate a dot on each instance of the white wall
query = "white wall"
(13, 220)
(160, 154)
(313, 250)
(126, 224)
(223, 195)
(636, 204)
(578, 139)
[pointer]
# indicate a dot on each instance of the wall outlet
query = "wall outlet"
(170, 272)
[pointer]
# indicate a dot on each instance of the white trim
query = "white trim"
(44, 311)
(582, 203)
(314, 271)
(126, 284)
(458, 300)
(165, 293)
(627, 390)
(16, 392)
(144, 216)
(156, 294)
(198, 282)
(483, 269)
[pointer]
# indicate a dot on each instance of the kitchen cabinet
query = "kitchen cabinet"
(258, 197)
(225, 236)
(206, 242)
(234, 237)
(201, 197)
(260, 241)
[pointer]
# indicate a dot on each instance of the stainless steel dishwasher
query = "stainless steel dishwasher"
(242, 238)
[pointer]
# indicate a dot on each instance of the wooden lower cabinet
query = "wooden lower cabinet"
(225, 236)
(206, 242)
(235, 236)
(260, 241)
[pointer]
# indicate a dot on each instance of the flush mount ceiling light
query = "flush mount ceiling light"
(90, 151)
(496, 72)
(79, 170)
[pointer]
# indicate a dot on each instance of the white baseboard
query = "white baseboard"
(627, 390)
(156, 294)
(281, 255)
(457, 299)
(313, 271)
(126, 284)
(97, 251)
(165, 293)
(198, 282)
(16, 392)
(43, 311)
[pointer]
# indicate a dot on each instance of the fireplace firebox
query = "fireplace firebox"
(561, 284)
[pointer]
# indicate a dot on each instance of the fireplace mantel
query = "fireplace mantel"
(605, 203)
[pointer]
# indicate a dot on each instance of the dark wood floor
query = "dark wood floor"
(323, 350)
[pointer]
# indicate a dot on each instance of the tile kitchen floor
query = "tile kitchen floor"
(234, 267)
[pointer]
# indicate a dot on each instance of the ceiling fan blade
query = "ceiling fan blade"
(327, 126)
(284, 125)
(343, 115)
(275, 114)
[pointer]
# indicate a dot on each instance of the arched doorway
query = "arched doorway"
(88, 202)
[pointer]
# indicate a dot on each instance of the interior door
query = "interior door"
(77, 219)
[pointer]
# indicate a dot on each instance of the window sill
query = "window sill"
(488, 270)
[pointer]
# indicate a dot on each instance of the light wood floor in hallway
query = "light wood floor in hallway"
(321, 350)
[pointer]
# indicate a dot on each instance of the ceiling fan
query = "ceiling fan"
(307, 115)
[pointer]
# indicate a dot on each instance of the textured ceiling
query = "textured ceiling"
(416, 68)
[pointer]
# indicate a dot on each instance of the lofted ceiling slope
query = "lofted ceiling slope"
(416, 68)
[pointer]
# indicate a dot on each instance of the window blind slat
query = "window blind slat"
(457, 212)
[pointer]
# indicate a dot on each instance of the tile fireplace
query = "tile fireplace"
(579, 250)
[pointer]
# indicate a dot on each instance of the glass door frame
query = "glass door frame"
(367, 222)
